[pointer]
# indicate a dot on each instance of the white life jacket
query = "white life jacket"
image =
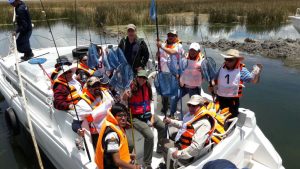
(192, 76)
(229, 82)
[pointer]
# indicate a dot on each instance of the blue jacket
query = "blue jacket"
(23, 18)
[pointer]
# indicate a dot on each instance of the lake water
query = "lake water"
(273, 99)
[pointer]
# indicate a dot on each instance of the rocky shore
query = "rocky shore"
(286, 49)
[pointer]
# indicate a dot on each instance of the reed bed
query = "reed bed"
(119, 12)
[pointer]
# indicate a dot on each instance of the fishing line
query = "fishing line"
(64, 76)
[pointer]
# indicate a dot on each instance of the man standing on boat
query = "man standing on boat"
(134, 49)
(112, 150)
(171, 47)
(24, 28)
(230, 79)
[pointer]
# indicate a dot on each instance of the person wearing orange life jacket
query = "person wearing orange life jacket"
(66, 89)
(230, 78)
(171, 47)
(140, 97)
(194, 131)
(91, 109)
(83, 70)
(112, 150)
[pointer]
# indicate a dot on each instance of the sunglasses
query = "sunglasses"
(229, 60)
(190, 105)
(122, 115)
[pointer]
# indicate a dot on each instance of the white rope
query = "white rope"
(26, 106)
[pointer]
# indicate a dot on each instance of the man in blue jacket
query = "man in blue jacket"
(24, 28)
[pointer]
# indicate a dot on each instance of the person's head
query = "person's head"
(119, 111)
(66, 72)
(14, 3)
(172, 36)
(141, 77)
(131, 31)
(104, 79)
(194, 50)
(93, 85)
(84, 59)
(62, 60)
(195, 103)
(232, 57)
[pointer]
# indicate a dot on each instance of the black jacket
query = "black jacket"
(23, 18)
(137, 54)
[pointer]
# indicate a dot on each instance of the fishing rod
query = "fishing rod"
(64, 76)
(29, 121)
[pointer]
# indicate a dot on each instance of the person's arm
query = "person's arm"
(254, 76)
(202, 127)
(121, 164)
(22, 20)
(167, 50)
(144, 54)
(61, 93)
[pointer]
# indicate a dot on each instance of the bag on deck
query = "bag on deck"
(122, 77)
(93, 56)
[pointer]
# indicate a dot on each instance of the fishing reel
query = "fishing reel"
(79, 143)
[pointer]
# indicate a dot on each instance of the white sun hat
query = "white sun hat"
(232, 53)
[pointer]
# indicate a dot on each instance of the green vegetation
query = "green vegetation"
(120, 12)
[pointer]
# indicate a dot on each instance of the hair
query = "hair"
(118, 107)
(136, 87)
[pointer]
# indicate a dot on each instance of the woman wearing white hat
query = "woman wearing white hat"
(230, 79)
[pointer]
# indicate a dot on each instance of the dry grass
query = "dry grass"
(116, 12)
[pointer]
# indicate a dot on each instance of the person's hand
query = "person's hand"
(71, 107)
(257, 69)
(177, 76)
(174, 154)
(132, 156)
(138, 166)
(158, 44)
(167, 120)
(139, 68)
(126, 94)
(80, 132)
(181, 83)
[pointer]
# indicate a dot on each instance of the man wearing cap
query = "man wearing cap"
(66, 89)
(191, 77)
(83, 71)
(24, 28)
(230, 78)
(91, 109)
(139, 98)
(171, 47)
(112, 148)
(134, 49)
(194, 131)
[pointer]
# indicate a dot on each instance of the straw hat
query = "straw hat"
(197, 100)
(232, 53)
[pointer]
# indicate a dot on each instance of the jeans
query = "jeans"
(147, 133)
(183, 91)
(23, 43)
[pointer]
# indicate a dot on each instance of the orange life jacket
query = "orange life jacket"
(55, 73)
(73, 97)
(186, 137)
(111, 122)
(86, 69)
(89, 98)
(221, 116)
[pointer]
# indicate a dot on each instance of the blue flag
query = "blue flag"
(153, 10)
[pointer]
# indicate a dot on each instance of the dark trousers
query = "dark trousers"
(23, 43)
(232, 102)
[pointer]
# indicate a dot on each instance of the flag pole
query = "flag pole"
(157, 35)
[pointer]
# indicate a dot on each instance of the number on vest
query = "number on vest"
(227, 76)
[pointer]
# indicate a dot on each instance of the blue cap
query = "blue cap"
(219, 164)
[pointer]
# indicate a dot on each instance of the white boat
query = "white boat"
(246, 146)
(296, 20)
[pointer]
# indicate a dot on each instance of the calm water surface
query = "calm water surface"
(273, 99)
